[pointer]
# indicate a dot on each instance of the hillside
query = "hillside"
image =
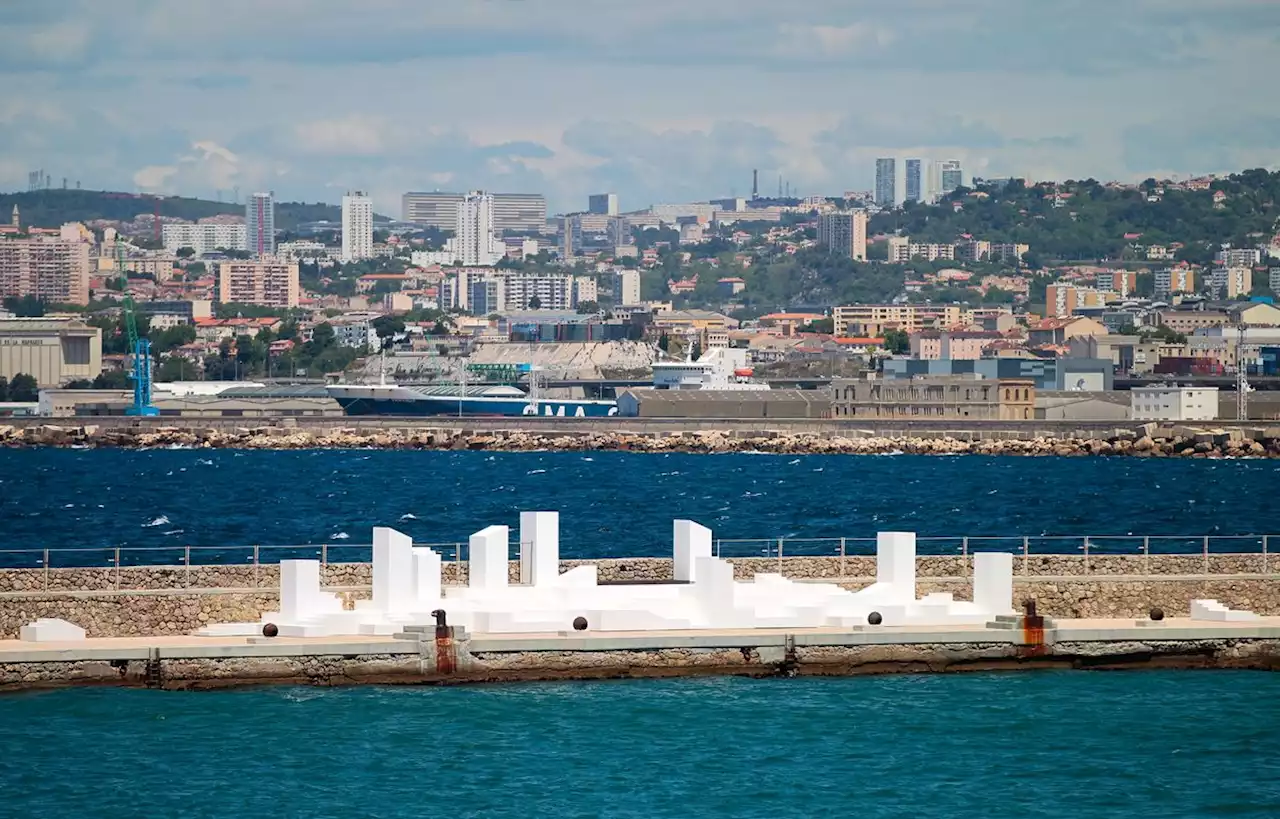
(51, 208)
(1091, 220)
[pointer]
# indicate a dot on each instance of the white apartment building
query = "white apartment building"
(1239, 257)
(358, 334)
(626, 287)
(844, 233)
(260, 224)
(1168, 402)
(1273, 279)
(203, 238)
(902, 250)
(473, 242)
(482, 292)
(52, 270)
(605, 203)
(357, 227)
(584, 290)
(525, 212)
(306, 251)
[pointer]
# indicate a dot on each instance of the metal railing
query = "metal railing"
(188, 566)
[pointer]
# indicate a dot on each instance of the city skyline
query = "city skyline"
(1057, 90)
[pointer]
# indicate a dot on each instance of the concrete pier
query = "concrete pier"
(421, 657)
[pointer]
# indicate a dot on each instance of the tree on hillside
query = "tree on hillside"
(24, 306)
(897, 342)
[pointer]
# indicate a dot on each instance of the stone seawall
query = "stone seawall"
(779, 436)
(172, 600)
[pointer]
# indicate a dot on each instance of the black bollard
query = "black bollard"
(579, 624)
(270, 630)
(874, 618)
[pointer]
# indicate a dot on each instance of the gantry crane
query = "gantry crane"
(139, 348)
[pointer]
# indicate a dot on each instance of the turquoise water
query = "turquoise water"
(611, 504)
(1046, 744)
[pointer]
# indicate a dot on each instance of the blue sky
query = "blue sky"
(660, 101)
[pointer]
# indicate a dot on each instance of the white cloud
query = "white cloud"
(349, 136)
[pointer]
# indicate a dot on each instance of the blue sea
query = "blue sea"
(1154, 744)
(611, 504)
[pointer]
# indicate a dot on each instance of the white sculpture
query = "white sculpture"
(407, 589)
(50, 630)
(1213, 610)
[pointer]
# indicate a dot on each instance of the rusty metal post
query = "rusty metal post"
(1032, 631)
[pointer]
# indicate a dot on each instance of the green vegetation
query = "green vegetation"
(896, 342)
(23, 389)
(53, 207)
(1092, 220)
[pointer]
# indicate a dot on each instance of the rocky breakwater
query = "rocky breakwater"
(1145, 442)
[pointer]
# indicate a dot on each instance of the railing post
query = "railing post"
(46, 569)
(1264, 553)
(186, 558)
(1026, 555)
(324, 554)
(117, 568)
(1206, 554)
(964, 556)
(717, 548)
(779, 555)
(1146, 555)
(255, 566)
(1086, 554)
(843, 559)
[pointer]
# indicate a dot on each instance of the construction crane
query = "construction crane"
(139, 348)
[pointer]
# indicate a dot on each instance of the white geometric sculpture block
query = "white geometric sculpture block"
(426, 575)
(393, 577)
(896, 564)
(299, 586)
(713, 588)
(488, 561)
(539, 547)
(50, 630)
(993, 582)
(692, 541)
(1215, 611)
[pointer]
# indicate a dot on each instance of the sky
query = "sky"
(658, 101)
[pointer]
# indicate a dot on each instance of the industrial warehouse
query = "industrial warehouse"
(54, 351)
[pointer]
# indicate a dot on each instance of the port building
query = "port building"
(52, 350)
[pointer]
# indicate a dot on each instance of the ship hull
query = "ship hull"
(478, 407)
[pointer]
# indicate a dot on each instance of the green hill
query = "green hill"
(1091, 220)
(53, 207)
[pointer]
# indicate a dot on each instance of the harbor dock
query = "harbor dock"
(426, 655)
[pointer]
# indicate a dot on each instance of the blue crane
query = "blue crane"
(140, 348)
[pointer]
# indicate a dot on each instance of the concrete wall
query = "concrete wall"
(171, 600)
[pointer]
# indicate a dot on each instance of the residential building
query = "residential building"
(570, 237)
(53, 351)
(914, 192)
(1058, 331)
(357, 227)
(523, 212)
(1159, 253)
(898, 249)
(305, 251)
(934, 397)
(844, 233)
(673, 213)
(626, 287)
(1174, 280)
(619, 231)
(886, 182)
(357, 333)
(606, 203)
(187, 311)
(260, 224)
(482, 292)
(474, 243)
(266, 283)
(1006, 252)
(872, 320)
(585, 290)
(1188, 321)
(935, 345)
(1169, 402)
(1063, 299)
(1123, 282)
(52, 270)
(203, 237)
(1076, 374)
(1239, 257)
(1231, 282)
(1273, 280)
